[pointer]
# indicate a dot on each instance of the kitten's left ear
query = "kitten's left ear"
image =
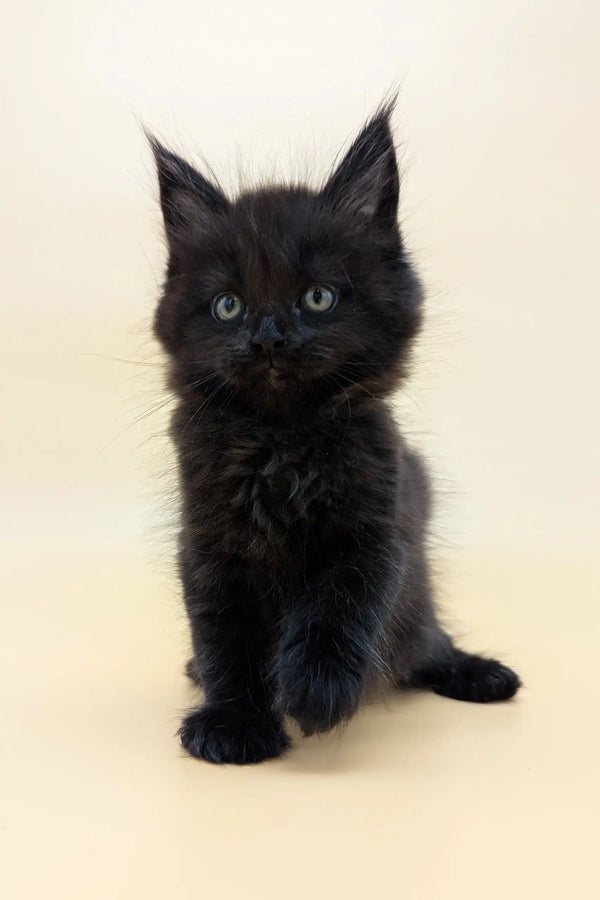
(187, 198)
(366, 182)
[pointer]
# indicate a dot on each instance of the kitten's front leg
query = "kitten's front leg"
(238, 722)
(331, 637)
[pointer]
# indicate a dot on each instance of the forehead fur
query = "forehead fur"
(274, 240)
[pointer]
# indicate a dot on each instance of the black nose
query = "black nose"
(267, 344)
(268, 336)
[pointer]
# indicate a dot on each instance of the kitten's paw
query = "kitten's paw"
(224, 734)
(319, 689)
(474, 678)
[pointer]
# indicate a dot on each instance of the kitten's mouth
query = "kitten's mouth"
(277, 372)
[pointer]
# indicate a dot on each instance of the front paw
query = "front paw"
(319, 688)
(226, 734)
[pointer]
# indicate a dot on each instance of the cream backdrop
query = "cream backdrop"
(498, 131)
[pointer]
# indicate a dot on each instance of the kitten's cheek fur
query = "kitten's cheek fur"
(317, 688)
(224, 734)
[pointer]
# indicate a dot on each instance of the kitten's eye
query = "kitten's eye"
(318, 299)
(227, 307)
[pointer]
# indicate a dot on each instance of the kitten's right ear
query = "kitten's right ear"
(188, 199)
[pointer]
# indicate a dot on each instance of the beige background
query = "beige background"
(420, 798)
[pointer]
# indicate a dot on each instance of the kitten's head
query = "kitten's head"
(288, 295)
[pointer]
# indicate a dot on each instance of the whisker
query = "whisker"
(131, 362)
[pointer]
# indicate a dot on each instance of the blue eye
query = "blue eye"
(318, 299)
(227, 307)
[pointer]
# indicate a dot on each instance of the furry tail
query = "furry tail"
(465, 676)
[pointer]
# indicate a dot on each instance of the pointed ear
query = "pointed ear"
(187, 198)
(366, 182)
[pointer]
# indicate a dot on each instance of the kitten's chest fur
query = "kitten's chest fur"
(271, 494)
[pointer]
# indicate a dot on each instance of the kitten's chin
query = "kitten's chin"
(278, 376)
(276, 389)
(275, 376)
(283, 388)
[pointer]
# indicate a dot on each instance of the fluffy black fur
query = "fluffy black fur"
(304, 512)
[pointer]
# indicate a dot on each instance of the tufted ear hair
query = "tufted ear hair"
(366, 183)
(187, 198)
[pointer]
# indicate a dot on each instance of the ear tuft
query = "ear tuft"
(366, 182)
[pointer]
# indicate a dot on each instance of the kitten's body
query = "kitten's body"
(304, 512)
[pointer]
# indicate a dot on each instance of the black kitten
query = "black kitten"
(288, 315)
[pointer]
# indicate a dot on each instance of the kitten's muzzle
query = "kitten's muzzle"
(268, 336)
